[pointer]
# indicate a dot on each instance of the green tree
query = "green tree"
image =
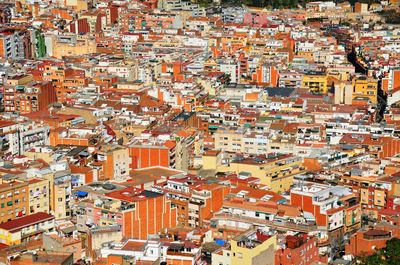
(392, 251)
(386, 256)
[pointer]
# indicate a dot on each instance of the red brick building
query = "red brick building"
(365, 243)
(297, 250)
(152, 212)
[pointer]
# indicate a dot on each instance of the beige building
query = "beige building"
(70, 45)
(116, 160)
(275, 171)
(241, 141)
(77, 5)
(343, 93)
(39, 195)
(60, 201)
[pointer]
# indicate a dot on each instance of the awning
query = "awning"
(81, 193)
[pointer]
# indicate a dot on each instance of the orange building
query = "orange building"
(266, 75)
(297, 250)
(392, 81)
(65, 80)
(60, 137)
(365, 243)
(13, 199)
(115, 162)
(24, 95)
(151, 214)
(147, 155)
(196, 200)
(315, 199)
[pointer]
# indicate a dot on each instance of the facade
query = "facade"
(26, 228)
(39, 195)
(299, 249)
(323, 203)
(14, 201)
(189, 132)
(365, 88)
(364, 243)
(246, 251)
(13, 44)
(23, 95)
(315, 82)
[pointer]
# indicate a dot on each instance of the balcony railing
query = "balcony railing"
(280, 226)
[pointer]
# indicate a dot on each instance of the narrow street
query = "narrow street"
(382, 98)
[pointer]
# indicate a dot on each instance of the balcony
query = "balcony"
(285, 226)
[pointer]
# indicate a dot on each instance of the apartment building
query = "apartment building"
(9, 143)
(14, 198)
(365, 88)
(14, 44)
(195, 199)
(253, 247)
(24, 95)
(115, 161)
(323, 203)
(315, 82)
(274, 170)
(371, 192)
(116, 205)
(26, 228)
(39, 195)
(240, 140)
(297, 249)
(69, 45)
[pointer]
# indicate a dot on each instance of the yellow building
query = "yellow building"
(275, 171)
(247, 248)
(315, 82)
(77, 5)
(39, 195)
(61, 209)
(352, 212)
(72, 45)
(372, 192)
(44, 153)
(26, 228)
(13, 199)
(212, 159)
(365, 88)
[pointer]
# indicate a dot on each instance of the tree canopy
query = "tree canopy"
(386, 256)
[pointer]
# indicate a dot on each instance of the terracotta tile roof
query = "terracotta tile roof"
(18, 224)
(6, 123)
